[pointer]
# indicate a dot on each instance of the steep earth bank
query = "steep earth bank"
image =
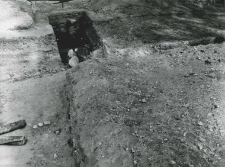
(155, 109)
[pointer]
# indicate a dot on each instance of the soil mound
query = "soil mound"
(154, 112)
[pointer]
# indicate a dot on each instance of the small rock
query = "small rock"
(71, 53)
(72, 21)
(202, 139)
(47, 122)
(40, 124)
(195, 74)
(172, 162)
(35, 127)
(135, 162)
(209, 114)
(55, 156)
(186, 105)
(143, 100)
(200, 123)
(74, 61)
(199, 146)
(182, 140)
(57, 132)
(47, 49)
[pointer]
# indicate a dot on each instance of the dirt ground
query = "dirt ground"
(164, 110)
(32, 77)
(146, 98)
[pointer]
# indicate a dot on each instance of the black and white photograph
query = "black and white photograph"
(112, 83)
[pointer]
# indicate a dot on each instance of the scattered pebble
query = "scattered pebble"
(182, 140)
(71, 53)
(74, 61)
(199, 146)
(40, 124)
(200, 123)
(55, 156)
(72, 21)
(47, 49)
(202, 139)
(57, 132)
(144, 100)
(35, 127)
(47, 122)
(172, 162)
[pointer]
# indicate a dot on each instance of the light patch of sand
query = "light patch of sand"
(12, 18)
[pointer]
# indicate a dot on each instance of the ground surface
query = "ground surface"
(32, 77)
(161, 110)
(150, 100)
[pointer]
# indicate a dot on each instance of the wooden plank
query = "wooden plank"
(12, 126)
(13, 140)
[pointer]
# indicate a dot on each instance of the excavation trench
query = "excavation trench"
(74, 30)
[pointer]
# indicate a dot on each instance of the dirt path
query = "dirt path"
(31, 79)
(36, 100)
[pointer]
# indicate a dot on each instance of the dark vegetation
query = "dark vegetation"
(160, 21)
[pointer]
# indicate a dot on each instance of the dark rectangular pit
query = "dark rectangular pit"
(74, 30)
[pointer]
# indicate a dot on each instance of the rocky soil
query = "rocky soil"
(159, 109)
(31, 79)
